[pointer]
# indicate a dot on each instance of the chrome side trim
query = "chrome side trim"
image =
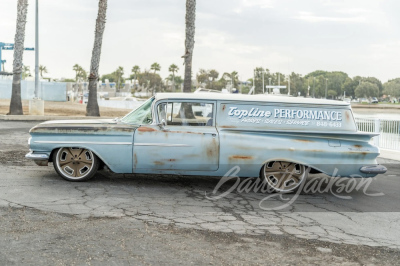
(162, 145)
(83, 142)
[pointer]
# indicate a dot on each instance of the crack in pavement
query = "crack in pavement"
(180, 201)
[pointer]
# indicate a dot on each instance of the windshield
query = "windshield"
(141, 115)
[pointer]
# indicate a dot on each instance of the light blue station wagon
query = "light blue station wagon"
(280, 139)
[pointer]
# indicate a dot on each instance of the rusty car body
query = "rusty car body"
(281, 139)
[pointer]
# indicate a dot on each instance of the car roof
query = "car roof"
(247, 97)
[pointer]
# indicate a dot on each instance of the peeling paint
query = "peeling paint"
(146, 129)
(228, 127)
(241, 157)
(304, 140)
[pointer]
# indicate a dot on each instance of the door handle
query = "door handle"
(209, 133)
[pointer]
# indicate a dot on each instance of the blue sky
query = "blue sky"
(354, 36)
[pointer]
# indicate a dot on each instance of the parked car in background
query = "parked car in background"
(374, 100)
(279, 139)
(364, 100)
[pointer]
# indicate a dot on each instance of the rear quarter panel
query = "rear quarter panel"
(327, 140)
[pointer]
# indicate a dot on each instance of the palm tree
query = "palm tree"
(136, 70)
(16, 103)
(26, 72)
(92, 108)
(213, 74)
(119, 73)
(42, 69)
(156, 67)
(77, 68)
(173, 68)
(189, 43)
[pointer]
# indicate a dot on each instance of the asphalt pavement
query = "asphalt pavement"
(152, 219)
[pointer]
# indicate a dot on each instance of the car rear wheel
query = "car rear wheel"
(75, 164)
(284, 176)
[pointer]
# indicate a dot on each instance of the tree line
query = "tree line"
(317, 84)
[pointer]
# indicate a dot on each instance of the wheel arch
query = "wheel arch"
(102, 163)
(313, 170)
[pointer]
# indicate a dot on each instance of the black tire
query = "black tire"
(75, 164)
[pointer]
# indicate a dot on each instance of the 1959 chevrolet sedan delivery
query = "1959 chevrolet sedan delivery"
(280, 139)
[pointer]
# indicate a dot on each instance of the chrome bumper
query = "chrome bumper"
(373, 169)
(40, 159)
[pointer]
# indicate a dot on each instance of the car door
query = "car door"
(187, 140)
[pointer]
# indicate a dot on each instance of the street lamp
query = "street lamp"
(263, 81)
(326, 87)
(313, 88)
(37, 79)
(210, 79)
(269, 89)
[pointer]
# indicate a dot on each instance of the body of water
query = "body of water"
(391, 114)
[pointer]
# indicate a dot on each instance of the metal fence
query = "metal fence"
(389, 130)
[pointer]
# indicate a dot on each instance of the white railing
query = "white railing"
(389, 130)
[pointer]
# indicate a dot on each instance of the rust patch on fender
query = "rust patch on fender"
(223, 107)
(227, 127)
(241, 157)
(146, 129)
(158, 163)
(347, 115)
(171, 160)
(304, 140)
(135, 158)
(188, 132)
(358, 146)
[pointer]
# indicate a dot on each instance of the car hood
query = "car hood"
(84, 126)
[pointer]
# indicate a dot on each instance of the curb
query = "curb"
(48, 117)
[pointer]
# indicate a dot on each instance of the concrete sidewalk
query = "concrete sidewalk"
(390, 154)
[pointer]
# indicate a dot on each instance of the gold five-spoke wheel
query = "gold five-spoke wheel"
(284, 176)
(75, 164)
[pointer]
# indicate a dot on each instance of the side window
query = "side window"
(186, 113)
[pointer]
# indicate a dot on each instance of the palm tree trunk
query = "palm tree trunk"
(16, 103)
(189, 43)
(173, 81)
(92, 108)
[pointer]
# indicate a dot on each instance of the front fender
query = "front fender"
(114, 150)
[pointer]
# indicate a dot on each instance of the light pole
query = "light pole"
(269, 89)
(313, 88)
(254, 79)
(37, 51)
(326, 87)
(263, 81)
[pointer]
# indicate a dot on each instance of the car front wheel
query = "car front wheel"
(75, 164)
